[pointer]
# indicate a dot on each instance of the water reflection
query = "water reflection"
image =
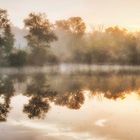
(6, 92)
(41, 94)
(44, 91)
(72, 100)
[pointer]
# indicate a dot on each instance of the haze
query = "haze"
(106, 12)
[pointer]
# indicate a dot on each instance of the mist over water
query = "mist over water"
(72, 69)
(108, 46)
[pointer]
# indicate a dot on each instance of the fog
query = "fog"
(42, 42)
(112, 46)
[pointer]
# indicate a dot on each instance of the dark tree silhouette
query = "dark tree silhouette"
(18, 58)
(6, 92)
(39, 37)
(41, 94)
(6, 37)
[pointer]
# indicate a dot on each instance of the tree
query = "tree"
(17, 59)
(131, 52)
(3, 18)
(116, 31)
(6, 36)
(62, 24)
(8, 40)
(74, 25)
(39, 37)
(71, 38)
(40, 31)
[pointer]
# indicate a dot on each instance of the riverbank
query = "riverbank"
(70, 68)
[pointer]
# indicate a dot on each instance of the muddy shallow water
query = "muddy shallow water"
(89, 106)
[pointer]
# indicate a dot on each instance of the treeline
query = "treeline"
(113, 45)
(66, 41)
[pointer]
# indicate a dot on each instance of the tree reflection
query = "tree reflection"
(43, 91)
(114, 86)
(4, 110)
(41, 94)
(68, 91)
(72, 100)
(37, 107)
(6, 92)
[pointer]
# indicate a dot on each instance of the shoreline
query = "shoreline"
(70, 68)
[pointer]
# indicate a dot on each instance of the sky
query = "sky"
(125, 13)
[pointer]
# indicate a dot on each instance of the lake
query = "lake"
(70, 105)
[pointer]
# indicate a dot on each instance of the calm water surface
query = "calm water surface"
(70, 106)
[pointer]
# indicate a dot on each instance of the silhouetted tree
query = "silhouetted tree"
(37, 107)
(74, 25)
(40, 35)
(17, 59)
(6, 92)
(6, 36)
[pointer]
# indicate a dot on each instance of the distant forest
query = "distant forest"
(66, 41)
